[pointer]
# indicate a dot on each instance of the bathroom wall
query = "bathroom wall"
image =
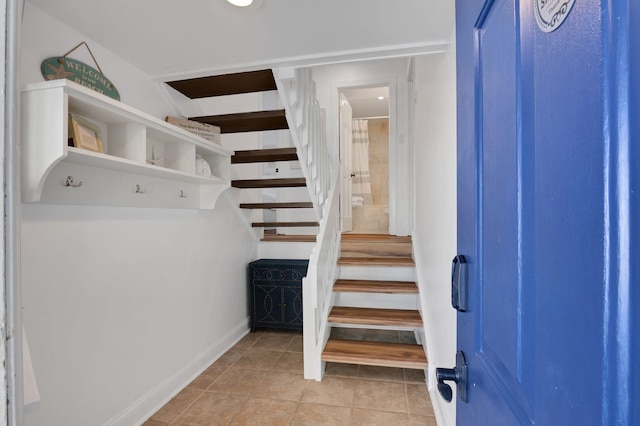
(379, 160)
(375, 218)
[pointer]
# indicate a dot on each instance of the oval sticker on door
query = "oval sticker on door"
(550, 14)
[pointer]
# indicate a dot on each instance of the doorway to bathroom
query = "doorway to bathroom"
(364, 152)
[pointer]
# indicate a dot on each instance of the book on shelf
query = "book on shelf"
(205, 131)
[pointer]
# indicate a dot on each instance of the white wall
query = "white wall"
(330, 78)
(118, 301)
(123, 306)
(44, 37)
(434, 236)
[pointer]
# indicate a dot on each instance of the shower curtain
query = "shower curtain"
(361, 182)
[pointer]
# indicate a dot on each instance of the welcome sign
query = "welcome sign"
(62, 67)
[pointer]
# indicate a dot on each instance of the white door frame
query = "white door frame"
(394, 145)
(11, 376)
(345, 135)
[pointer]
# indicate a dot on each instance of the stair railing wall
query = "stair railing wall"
(307, 123)
(318, 286)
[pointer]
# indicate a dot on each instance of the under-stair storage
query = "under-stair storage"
(137, 160)
(275, 293)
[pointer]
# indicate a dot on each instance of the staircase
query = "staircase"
(261, 81)
(375, 290)
(359, 282)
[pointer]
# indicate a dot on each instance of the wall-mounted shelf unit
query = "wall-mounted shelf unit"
(146, 161)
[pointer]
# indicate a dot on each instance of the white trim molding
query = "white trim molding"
(383, 52)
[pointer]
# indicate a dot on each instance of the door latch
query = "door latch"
(459, 283)
(458, 375)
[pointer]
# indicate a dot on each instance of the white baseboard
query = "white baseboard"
(138, 412)
(443, 416)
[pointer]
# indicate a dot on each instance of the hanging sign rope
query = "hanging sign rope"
(63, 67)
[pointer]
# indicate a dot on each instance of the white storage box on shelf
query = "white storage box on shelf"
(146, 161)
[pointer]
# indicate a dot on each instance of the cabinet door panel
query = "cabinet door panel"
(266, 306)
(292, 311)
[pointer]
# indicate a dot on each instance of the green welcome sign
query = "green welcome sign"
(78, 72)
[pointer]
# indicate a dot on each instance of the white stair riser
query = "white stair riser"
(374, 327)
(284, 250)
(377, 300)
(385, 273)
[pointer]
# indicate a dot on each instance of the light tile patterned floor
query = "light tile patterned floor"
(260, 382)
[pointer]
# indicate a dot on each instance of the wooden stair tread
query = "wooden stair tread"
(375, 245)
(399, 355)
(375, 249)
(226, 84)
(284, 205)
(375, 316)
(296, 205)
(375, 238)
(247, 121)
(376, 261)
(372, 286)
(289, 238)
(283, 224)
(264, 155)
(269, 183)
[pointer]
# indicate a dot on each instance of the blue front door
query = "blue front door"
(547, 212)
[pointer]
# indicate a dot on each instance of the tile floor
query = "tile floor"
(260, 382)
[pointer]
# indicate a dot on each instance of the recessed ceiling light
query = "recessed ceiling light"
(244, 5)
(380, 98)
(241, 3)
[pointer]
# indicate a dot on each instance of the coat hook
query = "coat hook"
(183, 194)
(140, 190)
(70, 183)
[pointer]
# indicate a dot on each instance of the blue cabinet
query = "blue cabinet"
(275, 293)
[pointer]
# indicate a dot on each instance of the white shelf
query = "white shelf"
(129, 139)
(103, 161)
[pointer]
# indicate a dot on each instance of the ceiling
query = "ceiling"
(366, 102)
(169, 39)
